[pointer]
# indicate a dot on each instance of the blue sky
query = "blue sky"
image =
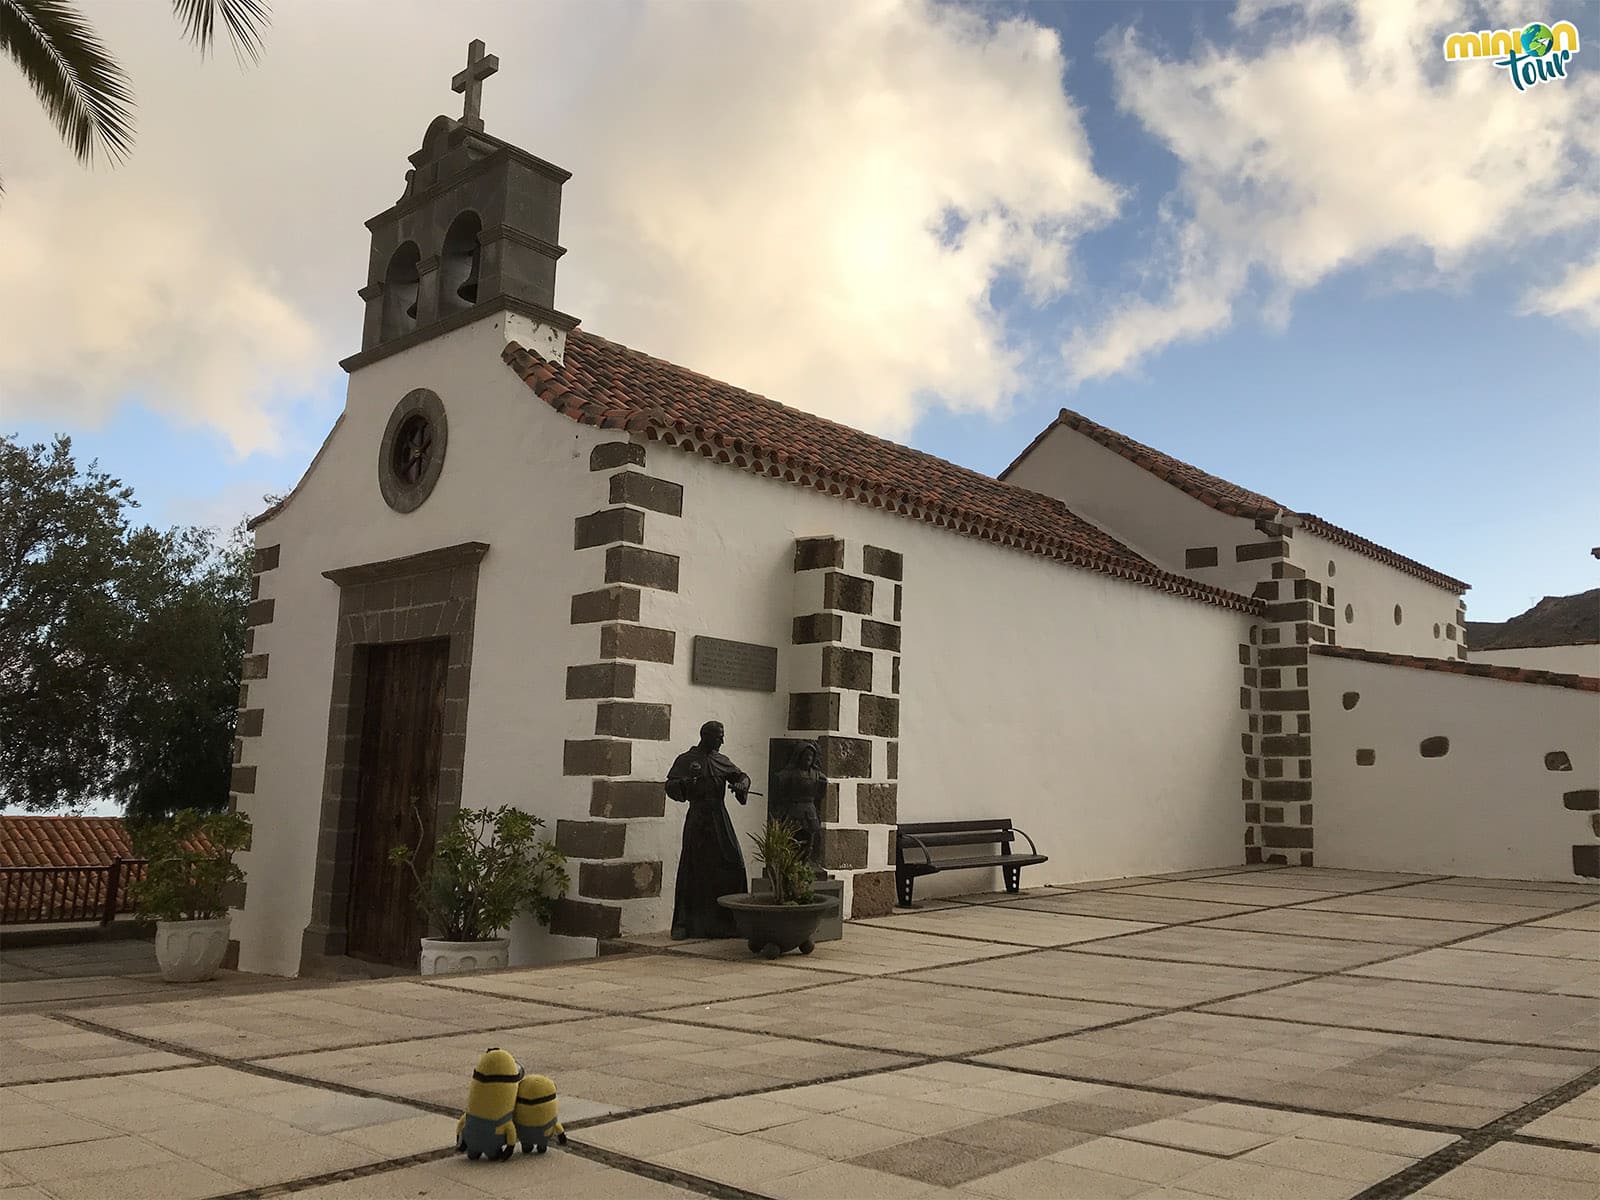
(1406, 391)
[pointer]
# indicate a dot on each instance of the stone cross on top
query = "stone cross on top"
(479, 67)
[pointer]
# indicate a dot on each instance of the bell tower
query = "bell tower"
(474, 232)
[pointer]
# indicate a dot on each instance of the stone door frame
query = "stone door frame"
(419, 597)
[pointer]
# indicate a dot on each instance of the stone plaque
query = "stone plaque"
(720, 663)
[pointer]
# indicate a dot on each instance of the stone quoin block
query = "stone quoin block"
(1307, 589)
(876, 803)
(845, 757)
(605, 680)
(898, 591)
(1435, 747)
(1247, 789)
(1272, 768)
(1252, 768)
(1271, 637)
(814, 710)
(632, 719)
(830, 805)
(619, 880)
(1199, 556)
(624, 799)
(1583, 800)
(1286, 789)
(611, 455)
(1293, 700)
(872, 894)
(259, 612)
(877, 635)
(243, 781)
(843, 667)
(1284, 570)
(1291, 610)
(1305, 814)
(1251, 551)
(1302, 722)
(1272, 814)
(238, 749)
(607, 604)
(1278, 836)
(598, 756)
(646, 491)
(894, 676)
(1245, 697)
(894, 761)
(847, 593)
(1557, 760)
(817, 627)
(265, 559)
(607, 526)
(1270, 678)
(1252, 813)
(1252, 854)
(1289, 744)
(639, 642)
(249, 722)
(813, 554)
(1350, 700)
(1267, 589)
(844, 849)
(574, 918)
(646, 568)
(1244, 654)
(1247, 743)
(1586, 861)
(878, 716)
(1285, 656)
(886, 564)
(591, 839)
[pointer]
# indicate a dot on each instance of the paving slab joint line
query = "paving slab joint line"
(12, 1083)
(1424, 1171)
(307, 1182)
(418, 1037)
(649, 1170)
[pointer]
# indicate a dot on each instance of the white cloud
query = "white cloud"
(1577, 294)
(759, 192)
(1335, 137)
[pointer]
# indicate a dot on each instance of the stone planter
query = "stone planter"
(190, 951)
(772, 929)
(440, 957)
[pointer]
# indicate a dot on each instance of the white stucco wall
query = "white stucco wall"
(1370, 590)
(508, 456)
(1145, 513)
(1101, 716)
(1571, 660)
(1488, 807)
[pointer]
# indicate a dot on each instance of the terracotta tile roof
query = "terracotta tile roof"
(62, 841)
(1454, 666)
(1232, 499)
(604, 384)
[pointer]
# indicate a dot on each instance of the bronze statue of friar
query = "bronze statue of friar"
(710, 864)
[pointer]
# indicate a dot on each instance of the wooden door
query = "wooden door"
(397, 790)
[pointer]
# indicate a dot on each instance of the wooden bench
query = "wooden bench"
(913, 842)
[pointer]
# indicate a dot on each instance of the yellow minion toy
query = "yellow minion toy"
(488, 1127)
(536, 1115)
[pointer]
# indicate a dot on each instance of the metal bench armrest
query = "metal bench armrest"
(926, 856)
(1031, 847)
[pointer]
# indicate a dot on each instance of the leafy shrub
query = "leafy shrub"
(784, 862)
(487, 865)
(191, 865)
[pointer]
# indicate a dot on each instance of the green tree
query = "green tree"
(120, 645)
(85, 92)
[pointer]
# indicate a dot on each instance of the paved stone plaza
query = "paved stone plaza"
(1231, 1033)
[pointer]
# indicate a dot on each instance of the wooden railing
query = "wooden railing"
(41, 895)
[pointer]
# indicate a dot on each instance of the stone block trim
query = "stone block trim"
(646, 491)
(266, 558)
(607, 604)
(846, 668)
(1199, 556)
(886, 564)
(625, 799)
(813, 554)
(577, 918)
(814, 711)
(639, 642)
(598, 756)
(877, 803)
(607, 526)
(847, 593)
(249, 722)
(1586, 861)
(606, 680)
(844, 849)
(591, 839)
(1250, 551)
(608, 456)
(646, 568)
(878, 635)
(872, 894)
(845, 757)
(1582, 800)
(878, 716)
(259, 612)
(817, 627)
(243, 780)
(255, 667)
(634, 719)
(619, 880)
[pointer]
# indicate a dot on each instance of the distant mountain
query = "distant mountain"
(1554, 621)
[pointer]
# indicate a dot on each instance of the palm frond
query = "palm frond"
(245, 20)
(85, 93)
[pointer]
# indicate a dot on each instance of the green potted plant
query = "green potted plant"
(784, 918)
(189, 874)
(486, 866)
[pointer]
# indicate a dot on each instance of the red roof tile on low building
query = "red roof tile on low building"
(1231, 499)
(608, 385)
(1454, 666)
(62, 841)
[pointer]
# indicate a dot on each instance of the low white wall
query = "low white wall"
(1571, 660)
(1488, 807)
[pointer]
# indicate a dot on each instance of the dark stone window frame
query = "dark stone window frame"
(399, 495)
(421, 597)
